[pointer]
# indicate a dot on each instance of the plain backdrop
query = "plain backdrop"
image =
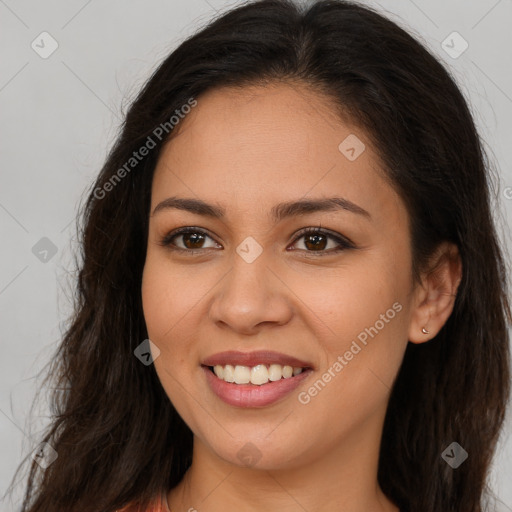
(60, 114)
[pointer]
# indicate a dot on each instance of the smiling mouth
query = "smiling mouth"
(257, 375)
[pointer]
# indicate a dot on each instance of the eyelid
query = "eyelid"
(343, 242)
(166, 240)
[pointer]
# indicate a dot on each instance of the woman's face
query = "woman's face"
(257, 283)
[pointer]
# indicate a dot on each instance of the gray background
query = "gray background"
(60, 115)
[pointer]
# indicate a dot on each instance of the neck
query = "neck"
(341, 478)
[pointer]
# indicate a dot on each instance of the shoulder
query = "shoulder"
(159, 504)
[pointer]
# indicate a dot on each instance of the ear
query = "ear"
(435, 296)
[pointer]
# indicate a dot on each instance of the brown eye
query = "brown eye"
(315, 241)
(187, 239)
(193, 240)
(321, 241)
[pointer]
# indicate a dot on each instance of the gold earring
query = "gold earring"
(424, 331)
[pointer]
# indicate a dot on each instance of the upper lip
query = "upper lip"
(234, 358)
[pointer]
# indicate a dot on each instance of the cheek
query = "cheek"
(164, 311)
(355, 382)
(155, 296)
(342, 302)
(163, 308)
(173, 304)
(360, 313)
(168, 297)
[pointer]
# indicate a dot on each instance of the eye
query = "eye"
(191, 238)
(317, 240)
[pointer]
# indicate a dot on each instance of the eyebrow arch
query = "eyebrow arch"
(278, 212)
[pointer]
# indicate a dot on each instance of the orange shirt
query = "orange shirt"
(158, 505)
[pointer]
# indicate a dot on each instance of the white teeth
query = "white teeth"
(229, 373)
(275, 372)
(287, 372)
(242, 374)
(219, 371)
(258, 375)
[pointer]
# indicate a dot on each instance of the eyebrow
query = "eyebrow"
(278, 212)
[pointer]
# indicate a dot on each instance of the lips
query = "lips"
(251, 395)
(266, 357)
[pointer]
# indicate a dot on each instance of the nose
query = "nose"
(250, 297)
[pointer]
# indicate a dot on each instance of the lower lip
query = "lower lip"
(252, 395)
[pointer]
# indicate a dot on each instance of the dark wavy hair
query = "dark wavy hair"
(112, 423)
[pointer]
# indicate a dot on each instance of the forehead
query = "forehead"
(259, 145)
(278, 124)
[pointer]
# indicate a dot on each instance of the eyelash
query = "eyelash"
(342, 242)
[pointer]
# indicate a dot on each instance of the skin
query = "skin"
(246, 150)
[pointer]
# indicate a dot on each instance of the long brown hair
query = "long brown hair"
(117, 435)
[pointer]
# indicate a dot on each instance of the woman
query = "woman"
(292, 293)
